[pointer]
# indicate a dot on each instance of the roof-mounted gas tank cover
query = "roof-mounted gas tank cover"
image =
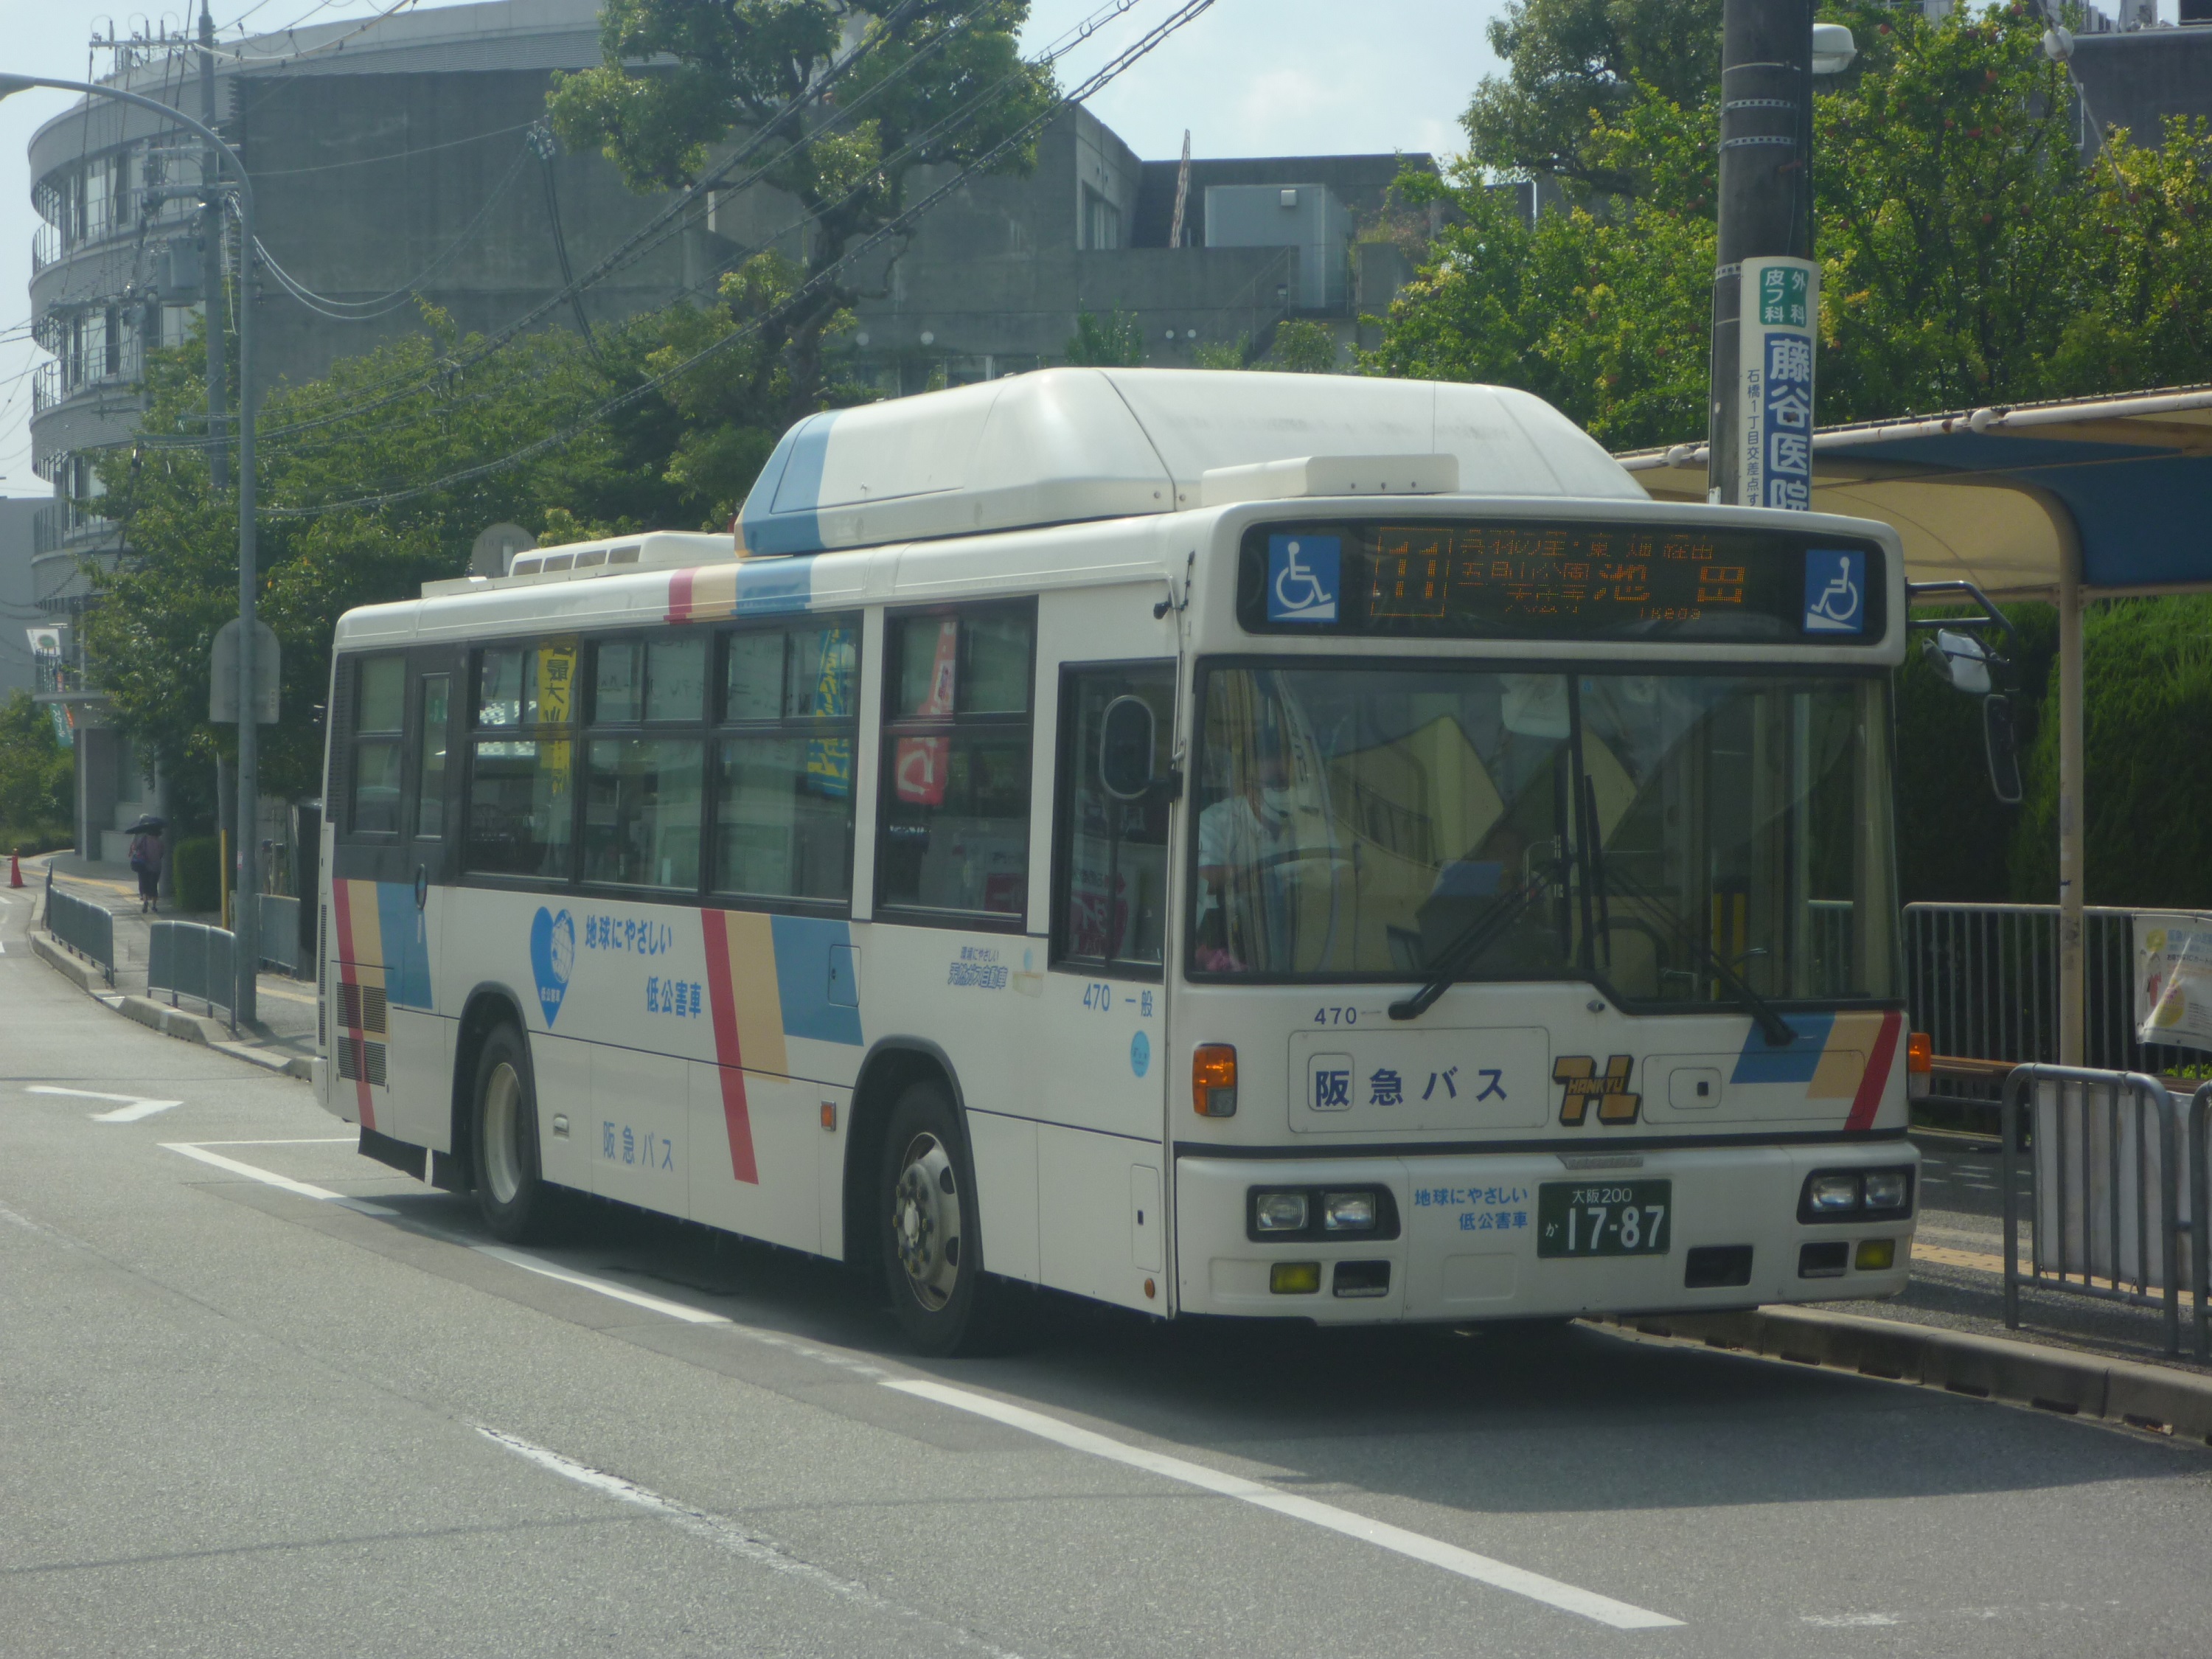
(1065, 445)
(1330, 475)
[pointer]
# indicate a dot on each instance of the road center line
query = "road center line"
(1482, 1568)
(270, 1178)
(728, 1536)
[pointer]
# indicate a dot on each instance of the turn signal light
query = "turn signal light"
(1919, 1053)
(1213, 1080)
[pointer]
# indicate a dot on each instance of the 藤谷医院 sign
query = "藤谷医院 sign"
(1781, 310)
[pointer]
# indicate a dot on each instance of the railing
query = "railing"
(280, 932)
(190, 959)
(1982, 982)
(2104, 1174)
(2199, 1205)
(84, 927)
(58, 523)
(57, 382)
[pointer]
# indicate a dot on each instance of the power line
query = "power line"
(895, 227)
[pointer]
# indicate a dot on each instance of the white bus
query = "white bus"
(1228, 844)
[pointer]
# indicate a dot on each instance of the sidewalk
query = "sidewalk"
(285, 1029)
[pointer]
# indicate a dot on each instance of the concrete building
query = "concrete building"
(18, 615)
(406, 158)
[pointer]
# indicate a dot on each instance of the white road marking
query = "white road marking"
(270, 1178)
(1483, 1568)
(134, 1107)
(297, 1140)
(727, 1534)
(619, 1293)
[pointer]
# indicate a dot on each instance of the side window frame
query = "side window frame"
(894, 726)
(472, 733)
(591, 727)
(1071, 753)
(359, 737)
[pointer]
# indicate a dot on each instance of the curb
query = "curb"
(2119, 1391)
(169, 1022)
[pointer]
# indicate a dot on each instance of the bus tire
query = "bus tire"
(512, 1192)
(932, 1245)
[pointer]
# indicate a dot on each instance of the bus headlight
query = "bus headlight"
(1278, 1212)
(1832, 1194)
(1348, 1212)
(1888, 1189)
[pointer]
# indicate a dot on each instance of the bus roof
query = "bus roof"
(1064, 445)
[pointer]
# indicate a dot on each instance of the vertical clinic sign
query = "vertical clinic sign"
(1781, 310)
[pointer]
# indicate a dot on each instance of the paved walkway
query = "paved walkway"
(286, 1024)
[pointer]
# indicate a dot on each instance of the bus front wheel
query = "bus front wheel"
(511, 1191)
(933, 1255)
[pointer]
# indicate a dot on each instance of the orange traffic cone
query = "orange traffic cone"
(15, 870)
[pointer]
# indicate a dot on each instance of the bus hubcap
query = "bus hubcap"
(925, 1222)
(501, 1117)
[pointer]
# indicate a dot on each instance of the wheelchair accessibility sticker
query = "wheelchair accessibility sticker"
(1304, 574)
(1835, 591)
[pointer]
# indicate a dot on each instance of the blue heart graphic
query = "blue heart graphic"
(552, 954)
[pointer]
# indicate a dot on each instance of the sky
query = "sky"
(1249, 78)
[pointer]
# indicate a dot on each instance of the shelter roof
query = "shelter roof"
(1998, 495)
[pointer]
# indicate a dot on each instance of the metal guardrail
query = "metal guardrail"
(2106, 1187)
(1982, 980)
(2199, 1205)
(85, 927)
(280, 932)
(190, 959)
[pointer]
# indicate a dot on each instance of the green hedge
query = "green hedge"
(197, 869)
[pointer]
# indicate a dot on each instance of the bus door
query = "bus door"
(395, 812)
(1100, 1171)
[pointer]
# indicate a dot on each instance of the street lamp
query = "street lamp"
(248, 920)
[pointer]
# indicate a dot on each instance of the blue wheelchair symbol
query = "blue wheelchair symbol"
(1835, 591)
(1304, 575)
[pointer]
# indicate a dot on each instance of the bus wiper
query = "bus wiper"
(1472, 942)
(1779, 1031)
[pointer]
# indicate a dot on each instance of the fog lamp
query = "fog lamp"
(1875, 1256)
(1295, 1278)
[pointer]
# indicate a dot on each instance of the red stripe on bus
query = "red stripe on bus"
(731, 1068)
(679, 595)
(1867, 1100)
(342, 902)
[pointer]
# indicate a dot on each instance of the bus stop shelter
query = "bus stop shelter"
(2069, 501)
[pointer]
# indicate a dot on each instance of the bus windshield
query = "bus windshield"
(1640, 830)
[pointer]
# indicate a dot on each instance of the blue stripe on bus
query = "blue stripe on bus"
(802, 949)
(1762, 1062)
(406, 952)
(779, 515)
(774, 586)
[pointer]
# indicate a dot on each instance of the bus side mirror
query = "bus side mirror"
(1961, 658)
(1126, 736)
(2003, 746)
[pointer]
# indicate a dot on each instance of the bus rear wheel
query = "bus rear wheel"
(512, 1194)
(932, 1245)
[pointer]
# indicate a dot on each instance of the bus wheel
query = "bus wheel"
(933, 1259)
(511, 1194)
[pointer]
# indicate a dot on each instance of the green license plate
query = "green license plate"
(1604, 1218)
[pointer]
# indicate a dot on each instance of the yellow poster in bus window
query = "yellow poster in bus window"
(556, 705)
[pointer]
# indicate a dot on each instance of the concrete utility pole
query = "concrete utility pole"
(211, 296)
(1766, 197)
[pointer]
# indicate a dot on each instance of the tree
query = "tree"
(35, 774)
(1117, 343)
(934, 83)
(1572, 62)
(1303, 348)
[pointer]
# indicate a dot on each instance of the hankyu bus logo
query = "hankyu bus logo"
(1303, 577)
(1584, 1083)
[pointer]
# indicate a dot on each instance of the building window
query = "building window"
(956, 790)
(783, 809)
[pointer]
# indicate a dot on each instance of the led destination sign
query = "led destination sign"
(1532, 579)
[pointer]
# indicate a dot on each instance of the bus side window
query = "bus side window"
(1109, 864)
(955, 803)
(379, 720)
(430, 757)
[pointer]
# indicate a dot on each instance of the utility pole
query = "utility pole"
(211, 240)
(1766, 218)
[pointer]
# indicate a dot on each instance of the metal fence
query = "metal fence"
(1982, 982)
(2199, 1205)
(86, 928)
(2104, 1157)
(190, 959)
(280, 932)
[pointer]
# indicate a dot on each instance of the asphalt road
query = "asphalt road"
(289, 1402)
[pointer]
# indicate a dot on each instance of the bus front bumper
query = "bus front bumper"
(1468, 1230)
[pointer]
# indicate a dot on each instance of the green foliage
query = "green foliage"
(1303, 348)
(1569, 61)
(1117, 343)
(2148, 668)
(1223, 353)
(35, 778)
(730, 69)
(196, 871)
